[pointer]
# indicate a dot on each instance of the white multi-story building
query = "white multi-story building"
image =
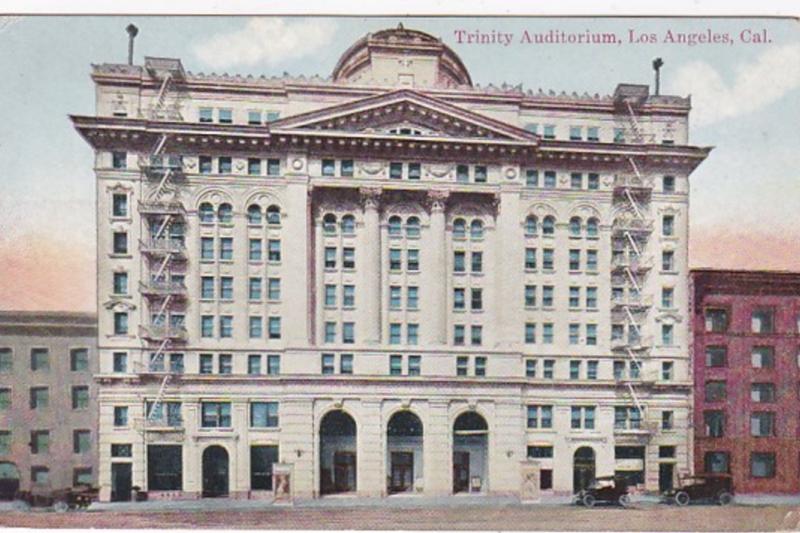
(389, 280)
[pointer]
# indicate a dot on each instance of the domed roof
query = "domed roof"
(401, 56)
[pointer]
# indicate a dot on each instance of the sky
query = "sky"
(744, 200)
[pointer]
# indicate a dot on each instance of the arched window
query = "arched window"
(225, 213)
(476, 229)
(329, 224)
(459, 228)
(530, 226)
(254, 214)
(591, 227)
(348, 225)
(412, 227)
(548, 225)
(274, 215)
(575, 227)
(206, 212)
(395, 225)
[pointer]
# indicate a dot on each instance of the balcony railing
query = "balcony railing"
(634, 343)
(157, 165)
(162, 288)
(162, 208)
(633, 262)
(632, 181)
(163, 246)
(633, 300)
(633, 225)
(160, 333)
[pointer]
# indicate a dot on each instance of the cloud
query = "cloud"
(755, 84)
(266, 40)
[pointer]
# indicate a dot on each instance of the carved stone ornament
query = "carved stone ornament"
(190, 163)
(370, 197)
(297, 163)
(511, 173)
(371, 167)
(438, 200)
(239, 165)
(439, 171)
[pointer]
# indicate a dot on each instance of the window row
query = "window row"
(224, 214)
(622, 370)
(762, 423)
(762, 464)
(212, 414)
(39, 397)
(224, 165)
(222, 287)
(547, 227)
(224, 328)
(224, 249)
(716, 356)
(40, 360)
(548, 261)
(225, 115)
(347, 224)
(548, 334)
(762, 320)
(574, 300)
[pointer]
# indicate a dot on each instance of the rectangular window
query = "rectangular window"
(206, 363)
(274, 327)
(395, 259)
(480, 174)
(330, 257)
(39, 397)
(574, 260)
(762, 392)
(273, 365)
(667, 297)
(530, 333)
(412, 334)
(667, 337)
(264, 415)
(253, 289)
(254, 364)
(120, 242)
(327, 363)
(668, 261)
(548, 259)
(476, 335)
(256, 327)
(549, 368)
(328, 167)
(715, 391)
(205, 164)
(348, 296)
(40, 442)
(330, 295)
(667, 420)
(530, 258)
(226, 248)
(591, 370)
(668, 225)
(120, 416)
(576, 180)
(414, 171)
(414, 365)
(225, 362)
(119, 203)
(668, 184)
(81, 441)
(530, 368)
(206, 114)
(80, 397)
(395, 365)
(396, 171)
(593, 182)
(575, 133)
(79, 360)
(667, 370)
(762, 321)
(480, 366)
(462, 173)
(459, 334)
(348, 258)
(714, 423)
(762, 424)
(254, 253)
(330, 332)
(574, 370)
(224, 165)
(476, 299)
(120, 362)
(254, 118)
(762, 464)
(591, 260)
(574, 333)
(395, 297)
(346, 363)
(119, 161)
(574, 297)
(530, 295)
(591, 334)
(547, 333)
(6, 360)
(548, 295)
(413, 260)
(592, 133)
(226, 288)
(540, 452)
(550, 179)
(5, 399)
(207, 248)
(763, 357)
(273, 167)
(207, 326)
(549, 131)
(462, 365)
(226, 326)
(531, 178)
(121, 323)
(274, 289)
(412, 298)
(459, 261)
(254, 166)
(348, 333)
(274, 250)
(346, 169)
(716, 356)
(216, 415)
(395, 333)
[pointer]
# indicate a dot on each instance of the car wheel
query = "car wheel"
(725, 498)
(681, 498)
(624, 500)
(20, 505)
(588, 500)
(60, 507)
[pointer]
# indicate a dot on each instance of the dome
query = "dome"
(403, 57)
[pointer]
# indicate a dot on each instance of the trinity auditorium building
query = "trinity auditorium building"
(389, 280)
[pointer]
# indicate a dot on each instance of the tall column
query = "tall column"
(434, 265)
(369, 301)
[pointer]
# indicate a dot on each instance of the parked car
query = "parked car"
(78, 497)
(713, 488)
(605, 489)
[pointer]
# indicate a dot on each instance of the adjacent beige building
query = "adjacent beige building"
(387, 281)
(48, 413)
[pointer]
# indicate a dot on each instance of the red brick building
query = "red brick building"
(747, 381)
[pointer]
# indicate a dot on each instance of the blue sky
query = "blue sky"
(746, 99)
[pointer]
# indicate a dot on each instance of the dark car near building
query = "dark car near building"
(707, 488)
(605, 489)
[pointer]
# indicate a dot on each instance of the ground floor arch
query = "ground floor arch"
(216, 472)
(583, 468)
(337, 460)
(470, 453)
(404, 452)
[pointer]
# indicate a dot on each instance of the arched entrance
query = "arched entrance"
(215, 472)
(470, 453)
(337, 453)
(9, 480)
(582, 468)
(404, 452)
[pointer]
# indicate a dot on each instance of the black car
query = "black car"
(709, 488)
(605, 489)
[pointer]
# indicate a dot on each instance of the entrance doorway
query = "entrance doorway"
(215, 472)
(338, 458)
(404, 451)
(582, 468)
(665, 476)
(121, 482)
(9, 480)
(470, 453)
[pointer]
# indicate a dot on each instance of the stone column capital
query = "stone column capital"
(370, 197)
(438, 200)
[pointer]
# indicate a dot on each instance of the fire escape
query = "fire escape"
(162, 246)
(631, 263)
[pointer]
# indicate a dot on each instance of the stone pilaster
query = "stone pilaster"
(369, 301)
(434, 306)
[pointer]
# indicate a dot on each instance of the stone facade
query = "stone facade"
(48, 409)
(510, 267)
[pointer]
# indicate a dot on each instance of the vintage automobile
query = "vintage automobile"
(714, 488)
(78, 497)
(605, 489)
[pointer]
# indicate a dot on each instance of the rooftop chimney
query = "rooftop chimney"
(657, 64)
(132, 32)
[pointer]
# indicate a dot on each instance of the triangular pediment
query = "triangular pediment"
(405, 113)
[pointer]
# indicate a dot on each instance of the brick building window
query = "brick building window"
(762, 321)
(716, 320)
(762, 464)
(717, 463)
(715, 391)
